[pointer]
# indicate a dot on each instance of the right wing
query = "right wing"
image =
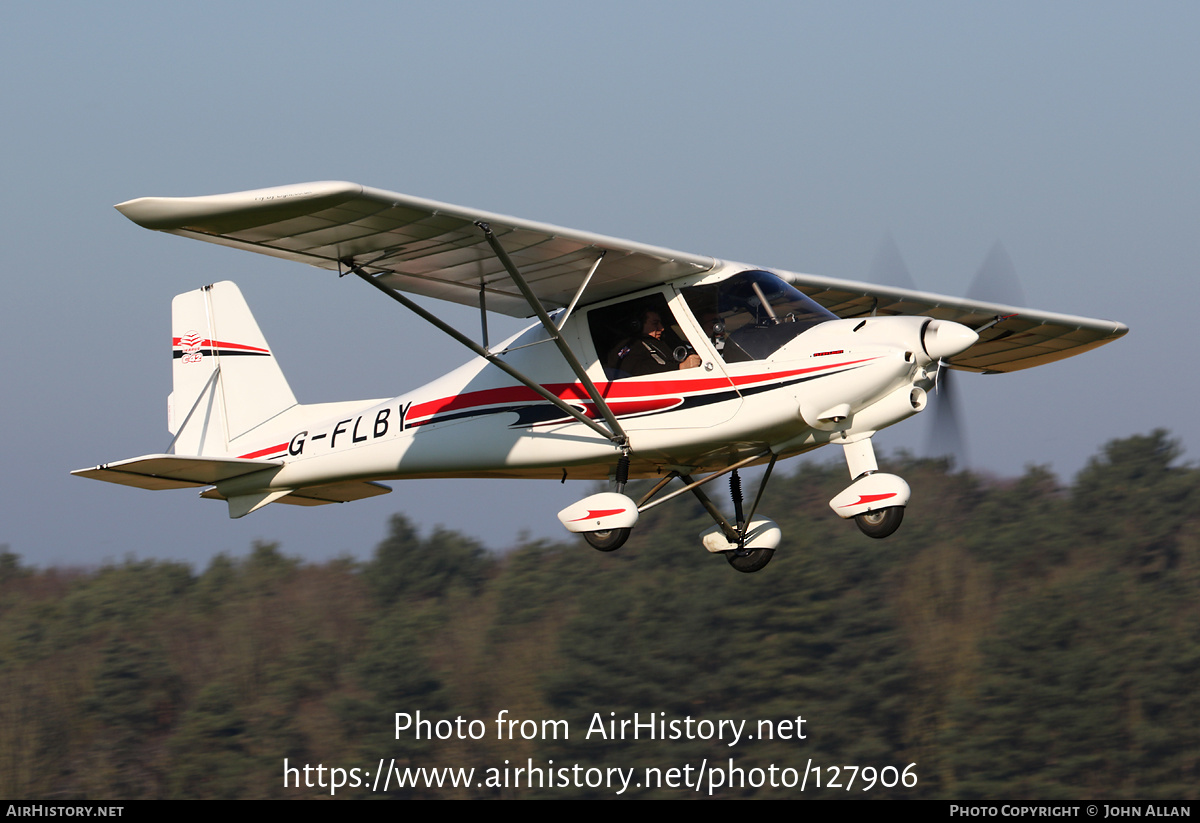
(1010, 338)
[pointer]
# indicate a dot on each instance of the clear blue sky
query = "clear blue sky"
(794, 135)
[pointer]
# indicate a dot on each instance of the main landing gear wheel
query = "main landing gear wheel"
(608, 540)
(881, 522)
(749, 560)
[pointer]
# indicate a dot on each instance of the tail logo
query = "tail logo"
(191, 346)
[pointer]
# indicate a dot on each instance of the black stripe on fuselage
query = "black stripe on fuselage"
(175, 355)
(534, 414)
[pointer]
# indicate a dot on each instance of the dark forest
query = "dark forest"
(1016, 638)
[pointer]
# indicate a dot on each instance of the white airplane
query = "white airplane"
(643, 362)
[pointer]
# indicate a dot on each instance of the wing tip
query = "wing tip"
(172, 213)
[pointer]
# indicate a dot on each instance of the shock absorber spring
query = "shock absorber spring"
(735, 491)
(622, 473)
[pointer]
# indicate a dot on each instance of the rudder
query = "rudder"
(225, 380)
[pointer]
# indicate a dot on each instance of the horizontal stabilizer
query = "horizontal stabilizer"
(337, 493)
(317, 495)
(174, 471)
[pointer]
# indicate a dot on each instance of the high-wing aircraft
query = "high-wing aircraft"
(642, 362)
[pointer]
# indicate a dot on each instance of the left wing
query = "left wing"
(418, 246)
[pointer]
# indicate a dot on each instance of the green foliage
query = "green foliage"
(10, 566)
(134, 689)
(1136, 477)
(405, 566)
(211, 757)
(1014, 639)
(1087, 691)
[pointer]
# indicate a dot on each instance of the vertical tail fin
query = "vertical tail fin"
(225, 379)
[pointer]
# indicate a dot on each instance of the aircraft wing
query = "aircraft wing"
(435, 249)
(1010, 338)
(417, 246)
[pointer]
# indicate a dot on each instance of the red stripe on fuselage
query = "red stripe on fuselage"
(646, 391)
(646, 396)
(568, 392)
(746, 380)
(625, 407)
(262, 452)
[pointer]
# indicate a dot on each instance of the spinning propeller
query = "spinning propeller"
(995, 282)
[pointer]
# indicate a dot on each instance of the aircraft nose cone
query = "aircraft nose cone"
(945, 338)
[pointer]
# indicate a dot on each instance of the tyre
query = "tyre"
(881, 522)
(607, 540)
(751, 560)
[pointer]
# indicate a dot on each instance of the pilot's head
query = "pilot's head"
(652, 325)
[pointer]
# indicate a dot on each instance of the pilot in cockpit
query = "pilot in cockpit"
(647, 353)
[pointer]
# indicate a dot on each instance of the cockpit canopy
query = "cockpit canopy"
(753, 314)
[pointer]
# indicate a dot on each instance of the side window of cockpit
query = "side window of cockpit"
(723, 322)
(638, 337)
(704, 301)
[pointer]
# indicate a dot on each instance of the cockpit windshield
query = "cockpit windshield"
(753, 314)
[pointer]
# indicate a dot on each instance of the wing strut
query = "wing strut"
(562, 321)
(617, 436)
(483, 312)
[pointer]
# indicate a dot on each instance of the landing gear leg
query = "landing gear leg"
(743, 559)
(875, 500)
(604, 519)
(622, 476)
(749, 542)
(609, 540)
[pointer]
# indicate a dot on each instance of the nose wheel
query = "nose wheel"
(875, 500)
(881, 522)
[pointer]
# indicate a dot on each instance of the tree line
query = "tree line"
(1016, 638)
